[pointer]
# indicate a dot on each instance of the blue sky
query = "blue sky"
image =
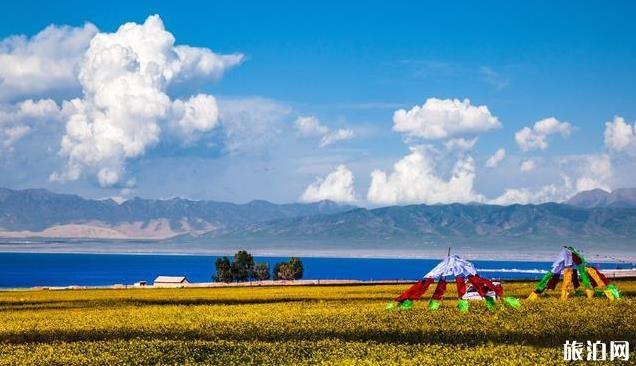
(350, 67)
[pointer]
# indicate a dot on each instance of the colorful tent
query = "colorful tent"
(575, 271)
(462, 272)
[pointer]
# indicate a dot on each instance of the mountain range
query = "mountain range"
(41, 213)
(623, 197)
(593, 215)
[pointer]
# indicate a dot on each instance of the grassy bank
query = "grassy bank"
(295, 325)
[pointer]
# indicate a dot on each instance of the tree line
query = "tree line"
(243, 268)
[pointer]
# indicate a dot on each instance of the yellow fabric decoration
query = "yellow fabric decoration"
(594, 274)
(567, 283)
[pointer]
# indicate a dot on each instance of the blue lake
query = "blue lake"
(44, 269)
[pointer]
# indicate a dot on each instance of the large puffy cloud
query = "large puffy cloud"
(196, 115)
(578, 173)
(620, 136)
(537, 136)
(460, 144)
(336, 186)
(124, 77)
(444, 118)
(589, 171)
(496, 158)
(415, 179)
(547, 193)
(16, 121)
(45, 62)
(310, 126)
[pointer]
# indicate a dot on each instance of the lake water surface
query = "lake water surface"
(45, 269)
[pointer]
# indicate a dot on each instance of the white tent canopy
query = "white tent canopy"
(563, 261)
(454, 266)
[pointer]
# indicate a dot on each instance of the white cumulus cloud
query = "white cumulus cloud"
(496, 158)
(444, 118)
(340, 134)
(124, 77)
(590, 171)
(578, 173)
(460, 144)
(16, 121)
(336, 186)
(547, 193)
(45, 62)
(527, 165)
(415, 179)
(196, 115)
(537, 137)
(310, 126)
(620, 136)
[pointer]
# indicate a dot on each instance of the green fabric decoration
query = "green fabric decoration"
(490, 303)
(433, 305)
(576, 251)
(614, 290)
(406, 305)
(585, 278)
(544, 282)
(512, 302)
(579, 293)
(391, 305)
(463, 306)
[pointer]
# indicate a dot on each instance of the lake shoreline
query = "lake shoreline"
(432, 254)
(623, 274)
(36, 269)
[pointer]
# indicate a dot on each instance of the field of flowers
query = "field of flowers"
(296, 325)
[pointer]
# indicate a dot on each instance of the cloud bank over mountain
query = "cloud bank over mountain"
(133, 110)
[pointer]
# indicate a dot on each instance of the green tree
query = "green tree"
(223, 270)
(261, 271)
(297, 267)
(284, 272)
(292, 270)
(276, 270)
(243, 266)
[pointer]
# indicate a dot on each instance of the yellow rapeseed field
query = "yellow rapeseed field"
(296, 325)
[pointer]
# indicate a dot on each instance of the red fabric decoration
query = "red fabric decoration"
(602, 276)
(483, 285)
(592, 280)
(498, 289)
(439, 290)
(461, 286)
(416, 291)
(553, 281)
(476, 281)
(575, 279)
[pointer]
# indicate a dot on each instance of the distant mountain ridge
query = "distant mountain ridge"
(446, 221)
(622, 197)
(594, 216)
(32, 211)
